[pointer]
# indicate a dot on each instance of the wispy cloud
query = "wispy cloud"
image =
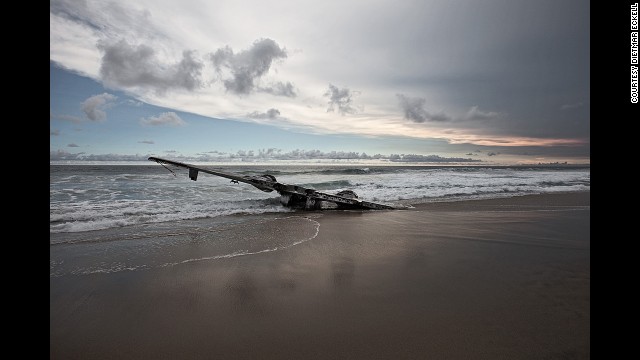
(475, 113)
(135, 103)
(166, 118)
(73, 145)
(70, 118)
(55, 132)
(146, 142)
(571, 106)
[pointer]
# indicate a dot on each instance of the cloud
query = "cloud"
(95, 106)
(135, 103)
(268, 154)
(475, 113)
(492, 153)
(64, 155)
(248, 66)
(105, 16)
(341, 99)
(125, 65)
(55, 132)
(270, 114)
(166, 118)
(146, 142)
(73, 145)
(487, 66)
(414, 110)
(571, 106)
(428, 158)
(70, 118)
(280, 89)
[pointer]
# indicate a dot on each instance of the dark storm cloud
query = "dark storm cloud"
(247, 66)
(95, 106)
(270, 114)
(413, 108)
(125, 65)
(523, 59)
(340, 100)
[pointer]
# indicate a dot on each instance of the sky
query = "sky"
(489, 82)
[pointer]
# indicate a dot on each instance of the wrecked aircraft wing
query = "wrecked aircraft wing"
(290, 195)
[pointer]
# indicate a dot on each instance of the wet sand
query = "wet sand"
(495, 279)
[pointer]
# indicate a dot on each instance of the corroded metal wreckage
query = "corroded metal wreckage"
(290, 195)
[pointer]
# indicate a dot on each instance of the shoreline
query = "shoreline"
(548, 200)
(493, 278)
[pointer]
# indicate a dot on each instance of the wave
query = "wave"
(82, 199)
(93, 216)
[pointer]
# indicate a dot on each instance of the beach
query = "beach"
(505, 278)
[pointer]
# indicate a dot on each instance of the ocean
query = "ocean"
(92, 197)
(113, 218)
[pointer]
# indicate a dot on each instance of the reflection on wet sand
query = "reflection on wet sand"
(244, 295)
(423, 283)
(342, 273)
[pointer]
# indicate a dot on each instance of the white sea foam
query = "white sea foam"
(111, 252)
(84, 198)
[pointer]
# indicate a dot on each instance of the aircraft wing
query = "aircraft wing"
(296, 196)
